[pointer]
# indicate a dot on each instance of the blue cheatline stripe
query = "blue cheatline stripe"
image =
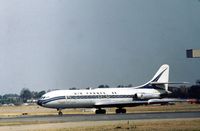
(53, 99)
(99, 96)
(86, 97)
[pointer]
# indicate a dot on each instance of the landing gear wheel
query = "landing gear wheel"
(123, 111)
(120, 111)
(100, 111)
(59, 112)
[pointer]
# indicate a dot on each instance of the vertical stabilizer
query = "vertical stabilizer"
(161, 78)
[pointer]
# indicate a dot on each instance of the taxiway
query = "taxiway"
(107, 117)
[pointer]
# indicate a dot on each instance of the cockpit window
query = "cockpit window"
(44, 97)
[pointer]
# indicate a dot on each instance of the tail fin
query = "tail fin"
(162, 75)
(161, 78)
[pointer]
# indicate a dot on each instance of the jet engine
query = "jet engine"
(146, 96)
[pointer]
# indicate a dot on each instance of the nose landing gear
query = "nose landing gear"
(60, 112)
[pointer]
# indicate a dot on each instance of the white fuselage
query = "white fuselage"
(90, 98)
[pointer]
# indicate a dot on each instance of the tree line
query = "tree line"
(23, 97)
(185, 92)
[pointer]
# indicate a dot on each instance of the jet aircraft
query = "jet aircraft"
(152, 92)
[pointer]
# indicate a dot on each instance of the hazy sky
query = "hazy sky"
(58, 44)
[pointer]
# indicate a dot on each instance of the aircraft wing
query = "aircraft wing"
(165, 100)
(137, 102)
(119, 103)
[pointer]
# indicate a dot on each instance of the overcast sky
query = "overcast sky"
(59, 44)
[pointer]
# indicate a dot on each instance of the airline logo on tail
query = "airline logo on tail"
(162, 75)
(158, 77)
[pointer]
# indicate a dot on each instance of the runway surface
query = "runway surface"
(107, 117)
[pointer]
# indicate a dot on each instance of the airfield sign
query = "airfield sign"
(193, 53)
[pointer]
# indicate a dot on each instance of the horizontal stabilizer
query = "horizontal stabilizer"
(161, 83)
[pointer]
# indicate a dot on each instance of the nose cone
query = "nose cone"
(39, 102)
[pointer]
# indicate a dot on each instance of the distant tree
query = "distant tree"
(73, 88)
(103, 86)
(130, 85)
(25, 94)
(184, 91)
(34, 94)
(6, 96)
(106, 86)
(40, 94)
(125, 86)
(179, 92)
(194, 91)
(10, 98)
(197, 82)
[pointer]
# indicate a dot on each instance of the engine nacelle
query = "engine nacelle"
(146, 96)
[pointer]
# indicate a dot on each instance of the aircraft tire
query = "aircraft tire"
(100, 111)
(123, 111)
(120, 111)
(60, 113)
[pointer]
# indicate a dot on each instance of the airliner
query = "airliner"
(152, 92)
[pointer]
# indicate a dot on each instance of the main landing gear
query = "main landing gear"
(60, 112)
(120, 111)
(117, 111)
(100, 111)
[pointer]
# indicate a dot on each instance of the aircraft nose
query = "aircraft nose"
(39, 102)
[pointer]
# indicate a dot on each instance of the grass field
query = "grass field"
(137, 125)
(153, 125)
